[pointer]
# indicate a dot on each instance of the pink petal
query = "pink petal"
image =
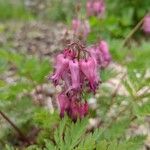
(63, 103)
(146, 24)
(106, 57)
(60, 68)
(89, 69)
(75, 77)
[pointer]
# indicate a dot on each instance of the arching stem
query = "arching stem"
(132, 32)
(14, 126)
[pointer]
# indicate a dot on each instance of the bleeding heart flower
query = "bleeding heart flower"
(75, 76)
(78, 76)
(80, 28)
(63, 103)
(106, 57)
(89, 68)
(146, 24)
(76, 24)
(78, 110)
(96, 7)
(96, 55)
(83, 109)
(89, 8)
(60, 67)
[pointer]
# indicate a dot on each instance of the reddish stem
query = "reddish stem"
(15, 127)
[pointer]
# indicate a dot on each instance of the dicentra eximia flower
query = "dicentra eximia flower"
(75, 77)
(89, 68)
(106, 57)
(61, 66)
(98, 7)
(146, 24)
(78, 67)
(89, 8)
(95, 54)
(78, 110)
(81, 28)
(95, 7)
(63, 103)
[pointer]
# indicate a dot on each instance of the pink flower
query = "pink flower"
(80, 28)
(89, 68)
(96, 7)
(99, 7)
(95, 54)
(69, 53)
(63, 103)
(146, 24)
(83, 109)
(89, 8)
(75, 76)
(78, 75)
(76, 23)
(61, 66)
(78, 110)
(85, 28)
(106, 57)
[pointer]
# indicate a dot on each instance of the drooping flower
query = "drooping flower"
(89, 68)
(76, 23)
(89, 8)
(75, 76)
(146, 24)
(60, 67)
(78, 76)
(81, 28)
(83, 109)
(95, 7)
(106, 57)
(63, 103)
(95, 54)
(78, 110)
(99, 7)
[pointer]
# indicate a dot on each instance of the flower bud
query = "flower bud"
(80, 28)
(63, 103)
(106, 57)
(146, 24)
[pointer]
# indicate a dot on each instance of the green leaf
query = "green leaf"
(88, 143)
(102, 145)
(143, 110)
(43, 118)
(116, 130)
(74, 133)
(49, 145)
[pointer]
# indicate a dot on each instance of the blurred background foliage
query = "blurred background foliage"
(30, 71)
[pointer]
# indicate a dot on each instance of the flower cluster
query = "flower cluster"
(146, 24)
(77, 71)
(81, 28)
(95, 7)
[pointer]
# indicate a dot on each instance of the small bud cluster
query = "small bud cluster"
(81, 28)
(146, 24)
(95, 7)
(77, 71)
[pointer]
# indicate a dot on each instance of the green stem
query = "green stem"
(132, 32)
